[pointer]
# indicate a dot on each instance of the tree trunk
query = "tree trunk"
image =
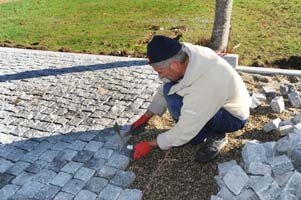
(221, 29)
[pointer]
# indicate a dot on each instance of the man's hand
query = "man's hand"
(141, 149)
(139, 125)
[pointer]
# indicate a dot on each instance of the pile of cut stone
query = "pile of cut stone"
(277, 104)
(268, 171)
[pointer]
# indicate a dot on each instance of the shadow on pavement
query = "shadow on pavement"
(75, 69)
(92, 148)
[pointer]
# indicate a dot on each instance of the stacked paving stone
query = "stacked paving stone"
(56, 118)
(284, 127)
(269, 171)
(287, 91)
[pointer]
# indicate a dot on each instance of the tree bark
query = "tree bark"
(221, 28)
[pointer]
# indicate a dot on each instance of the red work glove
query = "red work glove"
(141, 149)
(139, 125)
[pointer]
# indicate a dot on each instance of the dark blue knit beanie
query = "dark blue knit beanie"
(161, 48)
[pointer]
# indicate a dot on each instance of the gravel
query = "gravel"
(180, 177)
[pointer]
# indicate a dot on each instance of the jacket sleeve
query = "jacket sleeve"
(198, 108)
(158, 104)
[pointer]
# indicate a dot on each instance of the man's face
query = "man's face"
(171, 72)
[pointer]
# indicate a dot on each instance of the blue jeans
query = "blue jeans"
(221, 123)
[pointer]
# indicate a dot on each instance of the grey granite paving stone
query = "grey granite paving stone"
(30, 189)
(64, 196)
(281, 165)
(123, 179)
(73, 186)
(83, 156)
(48, 192)
(77, 145)
(93, 146)
(85, 195)
(7, 191)
(114, 143)
(236, 179)
(103, 153)
(15, 155)
(107, 172)
(67, 154)
(87, 136)
(99, 138)
(118, 161)
(21, 197)
(36, 167)
(84, 174)
(41, 148)
(223, 168)
(18, 167)
(225, 193)
(27, 145)
(22, 178)
(5, 165)
(110, 192)
(71, 137)
(65, 92)
(49, 155)
(45, 176)
(130, 194)
(95, 163)
(61, 179)
(5, 179)
(96, 184)
(56, 165)
(72, 167)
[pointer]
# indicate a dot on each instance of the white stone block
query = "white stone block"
(253, 152)
(277, 104)
(258, 168)
(255, 102)
(281, 165)
(259, 96)
(225, 194)
(282, 146)
(286, 122)
(269, 149)
(285, 130)
(223, 168)
(283, 178)
(296, 159)
(271, 125)
(232, 59)
(247, 194)
(213, 197)
(294, 99)
(269, 92)
(236, 179)
(284, 90)
(260, 183)
(272, 192)
(296, 119)
(287, 196)
(219, 181)
(293, 185)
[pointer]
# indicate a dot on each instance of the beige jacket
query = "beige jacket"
(209, 83)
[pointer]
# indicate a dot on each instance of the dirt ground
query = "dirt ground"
(179, 176)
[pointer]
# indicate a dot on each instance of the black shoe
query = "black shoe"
(211, 148)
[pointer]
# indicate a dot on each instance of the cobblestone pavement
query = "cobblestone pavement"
(56, 118)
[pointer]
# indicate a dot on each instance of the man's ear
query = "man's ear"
(175, 65)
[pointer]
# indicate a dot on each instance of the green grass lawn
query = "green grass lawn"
(265, 29)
